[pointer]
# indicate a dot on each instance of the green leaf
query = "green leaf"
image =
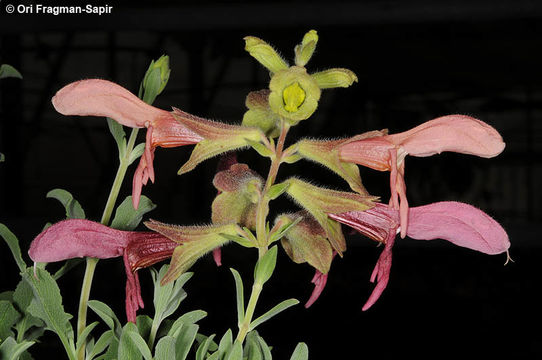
(47, 306)
(274, 311)
(2, 157)
(265, 266)
(132, 345)
(136, 153)
(13, 244)
(201, 353)
(266, 352)
(22, 297)
(276, 190)
(165, 349)
(82, 338)
(105, 339)
(119, 135)
(236, 352)
(11, 350)
(8, 317)
(192, 317)
(253, 349)
(239, 295)
(261, 148)
(184, 341)
(112, 350)
(128, 218)
(225, 343)
(144, 325)
(72, 206)
(106, 314)
(9, 71)
(239, 240)
(301, 352)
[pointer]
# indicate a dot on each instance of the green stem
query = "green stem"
(106, 217)
(261, 233)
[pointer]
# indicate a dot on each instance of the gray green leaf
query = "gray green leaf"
(128, 218)
(9, 71)
(13, 244)
(301, 352)
(72, 206)
(274, 311)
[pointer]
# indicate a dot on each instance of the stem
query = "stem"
(106, 217)
(261, 233)
(249, 313)
(263, 205)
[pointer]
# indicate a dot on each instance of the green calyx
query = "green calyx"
(260, 115)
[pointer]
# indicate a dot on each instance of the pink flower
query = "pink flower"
(459, 223)
(379, 151)
(96, 97)
(83, 238)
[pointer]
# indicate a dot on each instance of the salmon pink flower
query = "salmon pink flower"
(81, 238)
(457, 133)
(96, 97)
(459, 223)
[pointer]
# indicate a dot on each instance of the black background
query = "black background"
(415, 60)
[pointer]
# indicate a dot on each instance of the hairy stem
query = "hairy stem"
(106, 218)
(261, 232)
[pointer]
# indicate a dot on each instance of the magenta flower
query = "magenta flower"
(81, 238)
(459, 223)
(379, 151)
(96, 97)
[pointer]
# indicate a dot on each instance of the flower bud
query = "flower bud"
(156, 78)
(265, 54)
(239, 189)
(333, 78)
(304, 51)
(306, 241)
(260, 115)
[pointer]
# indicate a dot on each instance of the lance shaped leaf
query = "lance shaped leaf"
(326, 153)
(218, 138)
(304, 51)
(265, 54)
(333, 78)
(128, 218)
(194, 242)
(306, 241)
(72, 206)
(320, 201)
(9, 71)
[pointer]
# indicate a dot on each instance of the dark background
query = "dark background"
(415, 60)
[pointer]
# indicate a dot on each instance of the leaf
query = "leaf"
(112, 350)
(7, 71)
(8, 317)
(105, 339)
(106, 314)
(72, 206)
(165, 349)
(301, 352)
(225, 343)
(2, 157)
(128, 218)
(82, 338)
(117, 130)
(11, 350)
(239, 295)
(261, 148)
(136, 153)
(274, 311)
(144, 324)
(265, 266)
(192, 317)
(252, 347)
(184, 341)
(266, 352)
(201, 353)
(47, 306)
(22, 297)
(277, 190)
(236, 352)
(132, 345)
(13, 244)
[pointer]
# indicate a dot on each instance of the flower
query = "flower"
(81, 238)
(294, 93)
(383, 152)
(96, 97)
(459, 223)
